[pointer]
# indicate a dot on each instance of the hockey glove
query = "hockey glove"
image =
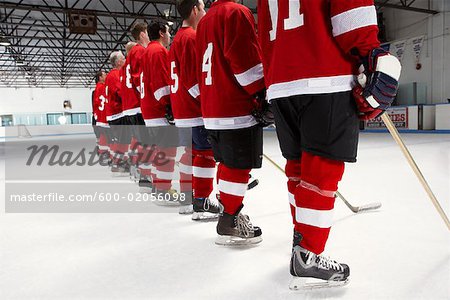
(377, 84)
(263, 110)
(169, 115)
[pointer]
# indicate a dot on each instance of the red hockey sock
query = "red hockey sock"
(203, 171)
(102, 144)
(134, 144)
(165, 169)
(186, 170)
(232, 187)
(314, 199)
(292, 170)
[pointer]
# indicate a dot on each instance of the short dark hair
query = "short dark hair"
(98, 75)
(154, 29)
(184, 7)
(137, 29)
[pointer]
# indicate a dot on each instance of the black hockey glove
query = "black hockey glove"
(263, 110)
(169, 115)
(377, 84)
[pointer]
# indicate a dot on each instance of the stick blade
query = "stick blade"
(368, 207)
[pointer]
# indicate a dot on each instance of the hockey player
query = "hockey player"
(185, 102)
(114, 114)
(230, 75)
(133, 151)
(312, 52)
(155, 104)
(131, 94)
(99, 85)
(102, 125)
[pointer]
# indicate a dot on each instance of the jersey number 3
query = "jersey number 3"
(294, 20)
(207, 64)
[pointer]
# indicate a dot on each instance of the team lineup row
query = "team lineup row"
(314, 68)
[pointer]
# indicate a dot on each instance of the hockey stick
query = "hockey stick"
(390, 126)
(358, 209)
(355, 209)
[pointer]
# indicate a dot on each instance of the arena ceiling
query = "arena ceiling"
(39, 48)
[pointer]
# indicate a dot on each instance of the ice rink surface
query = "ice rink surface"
(401, 251)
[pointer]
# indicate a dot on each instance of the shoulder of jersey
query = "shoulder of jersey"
(187, 34)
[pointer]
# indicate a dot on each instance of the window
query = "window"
(52, 119)
(79, 118)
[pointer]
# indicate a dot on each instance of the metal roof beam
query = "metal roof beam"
(405, 6)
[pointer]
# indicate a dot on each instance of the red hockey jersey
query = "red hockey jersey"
(113, 95)
(99, 105)
(229, 66)
(185, 92)
(155, 86)
(131, 82)
(307, 44)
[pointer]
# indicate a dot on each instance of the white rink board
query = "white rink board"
(399, 252)
(443, 116)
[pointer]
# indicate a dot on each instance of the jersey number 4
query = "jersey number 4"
(207, 63)
(294, 20)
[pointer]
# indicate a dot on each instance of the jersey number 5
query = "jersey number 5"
(294, 20)
(174, 76)
(207, 64)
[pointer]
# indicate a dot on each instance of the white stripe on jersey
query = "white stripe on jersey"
(194, 91)
(161, 92)
(354, 19)
(251, 75)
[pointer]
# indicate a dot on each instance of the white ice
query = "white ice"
(401, 251)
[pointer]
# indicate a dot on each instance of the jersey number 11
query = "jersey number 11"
(294, 20)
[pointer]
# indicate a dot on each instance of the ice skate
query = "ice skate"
(236, 230)
(310, 271)
(186, 204)
(205, 210)
(145, 186)
(122, 170)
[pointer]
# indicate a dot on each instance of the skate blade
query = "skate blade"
(227, 240)
(120, 174)
(204, 216)
(167, 203)
(186, 210)
(307, 284)
(145, 190)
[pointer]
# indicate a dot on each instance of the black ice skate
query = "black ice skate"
(145, 186)
(120, 170)
(236, 230)
(310, 271)
(205, 209)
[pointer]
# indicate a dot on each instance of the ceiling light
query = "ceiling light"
(4, 41)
